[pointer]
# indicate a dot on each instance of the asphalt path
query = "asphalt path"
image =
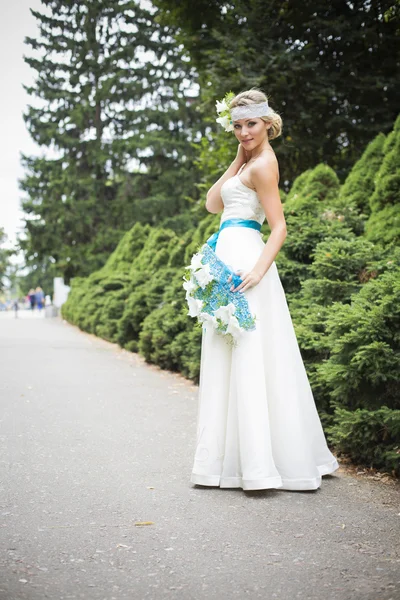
(96, 450)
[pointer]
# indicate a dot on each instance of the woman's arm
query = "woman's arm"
(266, 184)
(265, 181)
(214, 202)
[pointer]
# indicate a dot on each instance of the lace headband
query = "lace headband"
(227, 115)
(251, 110)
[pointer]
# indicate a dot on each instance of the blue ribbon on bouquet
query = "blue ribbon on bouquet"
(212, 241)
(220, 293)
(250, 223)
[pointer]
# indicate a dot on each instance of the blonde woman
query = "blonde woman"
(257, 425)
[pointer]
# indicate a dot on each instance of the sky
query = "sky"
(16, 22)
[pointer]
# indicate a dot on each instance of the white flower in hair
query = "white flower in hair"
(224, 113)
(221, 106)
(225, 122)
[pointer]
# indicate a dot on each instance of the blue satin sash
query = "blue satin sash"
(212, 241)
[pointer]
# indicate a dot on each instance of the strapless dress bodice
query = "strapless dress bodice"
(240, 202)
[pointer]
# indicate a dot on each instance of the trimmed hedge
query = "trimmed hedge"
(383, 226)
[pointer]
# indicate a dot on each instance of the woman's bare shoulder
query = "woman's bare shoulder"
(268, 162)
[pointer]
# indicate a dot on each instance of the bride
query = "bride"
(257, 423)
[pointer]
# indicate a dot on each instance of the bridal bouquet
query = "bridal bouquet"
(209, 297)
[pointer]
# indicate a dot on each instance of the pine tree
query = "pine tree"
(360, 182)
(115, 122)
(4, 259)
(383, 225)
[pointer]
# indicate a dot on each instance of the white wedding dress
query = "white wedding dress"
(257, 423)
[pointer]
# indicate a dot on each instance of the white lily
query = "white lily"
(189, 285)
(195, 306)
(207, 318)
(233, 327)
(225, 122)
(225, 312)
(203, 276)
(196, 262)
(221, 106)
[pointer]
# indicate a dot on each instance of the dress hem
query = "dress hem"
(266, 483)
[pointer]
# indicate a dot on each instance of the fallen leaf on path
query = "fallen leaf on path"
(140, 523)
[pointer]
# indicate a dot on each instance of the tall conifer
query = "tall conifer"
(112, 113)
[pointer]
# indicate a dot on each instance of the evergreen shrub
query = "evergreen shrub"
(383, 225)
(371, 438)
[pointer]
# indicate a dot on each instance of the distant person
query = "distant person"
(39, 294)
(15, 307)
(32, 298)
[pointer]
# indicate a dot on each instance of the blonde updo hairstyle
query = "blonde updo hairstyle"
(256, 96)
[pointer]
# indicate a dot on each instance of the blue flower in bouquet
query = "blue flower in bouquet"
(210, 299)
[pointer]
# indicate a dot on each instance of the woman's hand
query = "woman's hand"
(241, 156)
(248, 281)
